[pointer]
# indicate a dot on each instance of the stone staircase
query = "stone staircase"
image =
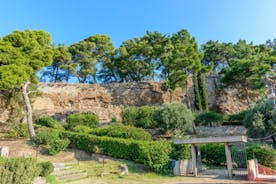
(65, 172)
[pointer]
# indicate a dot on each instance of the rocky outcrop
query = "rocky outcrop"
(107, 101)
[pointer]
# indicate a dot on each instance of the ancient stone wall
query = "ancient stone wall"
(107, 101)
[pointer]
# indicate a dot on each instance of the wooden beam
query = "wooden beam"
(194, 168)
(228, 160)
(206, 140)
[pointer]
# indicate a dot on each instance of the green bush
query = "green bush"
(58, 145)
(213, 154)
(263, 153)
(144, 117)
(153, 154)
(19, 130)
(122, 131)
(238, 117)
(45, 121)
(181, 151)
(129, 115)
(46, 168)
(209, 118)
(260, 121)
(138, 116)
(18, 170)
(51, 138)
(87, 119)
(82, 129)
(174, 116)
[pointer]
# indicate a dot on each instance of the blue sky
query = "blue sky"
(70, 21)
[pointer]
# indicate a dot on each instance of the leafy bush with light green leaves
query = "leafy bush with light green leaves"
(87, 119)
(260, 121)
(51, 138)
(181, 151)
(138, 116)
(18, 170)
(174, 116)
(122, 131)
(82, 129)
(47, 121)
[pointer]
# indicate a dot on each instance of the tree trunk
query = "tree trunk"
(29, 110)
(273, 139)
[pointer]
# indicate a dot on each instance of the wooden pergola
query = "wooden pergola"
(207, 140)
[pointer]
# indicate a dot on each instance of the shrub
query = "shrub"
(46, 168)
(52, 139)
(153, 154)
(213, 154)
(263, 153)
(19, 130)
(138, 116)
(144, 117)
(238, 117)
(260, 121)
(129, 116)
(87, 119)
(57, 145)
(82, 129)
(181, 151)
(122, 131)
(174, 116)
(45, 121)
(18, 170)
(208, 118)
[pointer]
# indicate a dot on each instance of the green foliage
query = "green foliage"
(203, 92)
(82, 129)
(213, 154)
(198, 103)
(52, 138)
(57, 145)
(46, 168)
(122, 131)
(261, 120)
(23, 53)
(87, 119)
(138, 116)
(47, 121)
(209, 118)
(263, 153)
(19, 130)
(181, 151)
(18, 170)
(154, 154)
(87, 53)
(174, 116)
(129, 115)
(238, 117)
(144, 117)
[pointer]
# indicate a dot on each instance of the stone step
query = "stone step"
(63, 166)
(72, 177)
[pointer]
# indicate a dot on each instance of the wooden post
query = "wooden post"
(228, 160)
(194, 160)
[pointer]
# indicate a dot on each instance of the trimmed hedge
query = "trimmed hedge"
(154, 154)
(209, 118)
(214, 154)
(18, 170)
(263, 153)
(122, 131)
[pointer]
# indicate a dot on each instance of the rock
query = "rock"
(124, 169)
(39, 180)
(4, 151)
